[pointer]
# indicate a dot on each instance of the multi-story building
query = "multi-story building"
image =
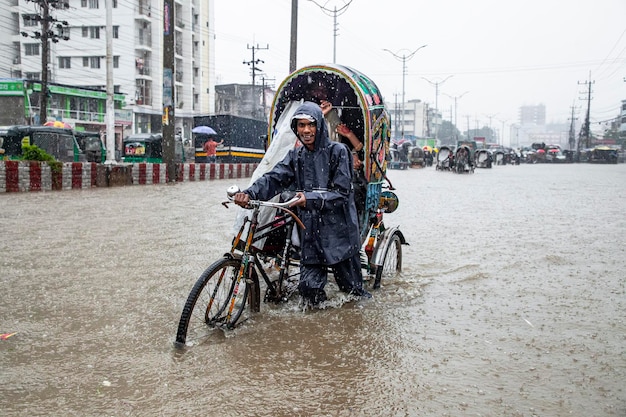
(415, 116)
(532, 115)
(137, 39)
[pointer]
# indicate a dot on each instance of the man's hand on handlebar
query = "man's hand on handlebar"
(301, 202)
(241, 199)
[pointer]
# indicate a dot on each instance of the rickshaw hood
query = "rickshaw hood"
(322, 138)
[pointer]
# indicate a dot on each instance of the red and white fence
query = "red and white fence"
(22, 176)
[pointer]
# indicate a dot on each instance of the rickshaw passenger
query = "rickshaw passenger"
(359, 182)
(321, 172)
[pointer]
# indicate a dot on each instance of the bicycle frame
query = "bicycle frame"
(249, 253)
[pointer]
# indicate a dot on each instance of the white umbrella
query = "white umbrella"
(204, 130)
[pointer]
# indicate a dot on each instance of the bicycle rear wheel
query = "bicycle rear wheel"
(392, 262)
(210, 300)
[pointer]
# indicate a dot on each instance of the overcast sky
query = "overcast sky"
(504, 54)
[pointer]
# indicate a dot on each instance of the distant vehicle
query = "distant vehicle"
(148, 147)
(58, 142)
(245, 140)
(92, 145)
(483, 158)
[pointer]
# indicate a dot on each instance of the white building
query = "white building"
(415, 119)
(137, 53)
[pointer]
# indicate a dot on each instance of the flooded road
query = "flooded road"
(511, 302)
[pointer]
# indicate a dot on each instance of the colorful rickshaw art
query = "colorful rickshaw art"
(357, 103)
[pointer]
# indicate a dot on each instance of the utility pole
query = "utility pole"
(293, 47)
(436, 84)
(110, 107)
(46, 35)
(263, 80)
(490, 116)
(169, 69)
(455, 98)
(572, 131)
(403, 58)
(253, 65)
(334, 12)
(586, 133)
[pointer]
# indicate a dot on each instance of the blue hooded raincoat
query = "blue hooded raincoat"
(325, 177)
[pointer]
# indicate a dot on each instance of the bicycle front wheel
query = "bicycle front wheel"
(211, 298)
(392, 262)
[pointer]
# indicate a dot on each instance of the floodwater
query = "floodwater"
(511, 303)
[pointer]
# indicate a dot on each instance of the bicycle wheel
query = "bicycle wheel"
(392, 261)
(210, 300)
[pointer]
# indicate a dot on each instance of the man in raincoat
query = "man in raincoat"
(321, 172)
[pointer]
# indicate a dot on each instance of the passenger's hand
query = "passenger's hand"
(241, 199)
(326, 106)
(301, 202)
(343, 130)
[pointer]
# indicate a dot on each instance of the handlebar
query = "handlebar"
(284, 206)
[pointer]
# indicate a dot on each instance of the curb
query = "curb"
(29, 176)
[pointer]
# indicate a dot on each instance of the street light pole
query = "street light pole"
(335, 12)
(404, 58)
(455, 98)
(436, 84)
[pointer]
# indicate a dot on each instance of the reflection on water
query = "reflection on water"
(510, 303)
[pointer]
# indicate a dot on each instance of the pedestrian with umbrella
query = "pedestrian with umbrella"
(210, 146)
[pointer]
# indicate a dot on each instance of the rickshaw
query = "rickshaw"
(444, 159)
(463, 160)
(483, 158)
(229, 290)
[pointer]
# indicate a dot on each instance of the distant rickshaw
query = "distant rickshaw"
(483, 158)
(463, 160)
(445, 156)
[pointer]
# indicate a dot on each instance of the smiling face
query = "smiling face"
(306, 133)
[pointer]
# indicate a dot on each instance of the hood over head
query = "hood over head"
(311, 111)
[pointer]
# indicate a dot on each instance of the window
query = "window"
(94, 32)
(85, 31)
(31, 20)
(116, 62)
(65, 62)
(33, 75)
(93, 4)
(94, 62)
(64, 33)
(83, 3)
(85, 62)
(116, 32)
(31, 49)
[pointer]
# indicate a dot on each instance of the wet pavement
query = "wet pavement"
(511, 303)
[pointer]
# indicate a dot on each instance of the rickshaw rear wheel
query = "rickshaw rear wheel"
(209, 301)
(392, 261)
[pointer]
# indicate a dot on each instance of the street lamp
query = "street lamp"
(455, 98)
(334, 12)
(404, 58)
(436, 84)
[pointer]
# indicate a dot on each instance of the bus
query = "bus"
(58, 142)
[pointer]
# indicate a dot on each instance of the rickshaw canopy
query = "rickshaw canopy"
(355, 96)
